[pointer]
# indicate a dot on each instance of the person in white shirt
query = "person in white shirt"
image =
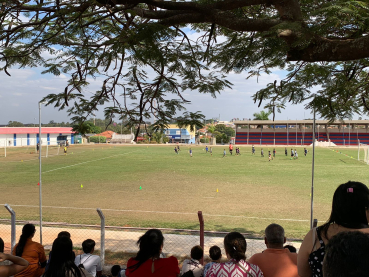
(91, 263)
(197, 253)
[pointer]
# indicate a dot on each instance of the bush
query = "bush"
(222, 138)
(165, 139)
(98, 139)
(204, 140)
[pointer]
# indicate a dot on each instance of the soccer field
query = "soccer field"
(244, 193)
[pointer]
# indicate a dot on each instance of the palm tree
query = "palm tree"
(262, 115)
(211, 130)
(191, 120)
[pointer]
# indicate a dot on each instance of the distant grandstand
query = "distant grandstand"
(300, 132)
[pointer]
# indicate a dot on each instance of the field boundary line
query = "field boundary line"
(161, 212)
(90, 161)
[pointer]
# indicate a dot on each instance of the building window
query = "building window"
(178, 132)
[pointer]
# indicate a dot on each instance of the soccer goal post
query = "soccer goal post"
(363, 153)
(3, 148)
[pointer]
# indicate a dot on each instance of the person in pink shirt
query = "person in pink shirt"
(235, 248)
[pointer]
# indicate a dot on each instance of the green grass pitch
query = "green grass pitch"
(252, 192)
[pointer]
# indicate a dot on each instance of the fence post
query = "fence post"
(13, 234)
(201, 221)
(315, 223)
(102, 238)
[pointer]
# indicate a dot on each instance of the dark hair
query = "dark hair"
(88, 245)
(235, 245)
(64, 234)
(1, 245)
(150, 244)
(115, 269)
(291, 248)
(346, 255)
(350, 201)
(215, 253)
(62, 263)
(197, 252)
(274, 234)
(27, 231)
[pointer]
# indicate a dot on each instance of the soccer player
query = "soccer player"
(190, 152)
(253, 150)
(211, 151)
(175, 150)
(274, 152)
(262, 152)
(292, 153)
(269, 156)
(65, 149)
(239, 153)
(206, 149)
(305, 151)
(296, 155)
(224, 153)
(285, 151)
(178, 147)
(230, 148)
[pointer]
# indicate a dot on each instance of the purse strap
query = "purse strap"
(242, 267)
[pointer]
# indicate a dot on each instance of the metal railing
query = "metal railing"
(116, 244)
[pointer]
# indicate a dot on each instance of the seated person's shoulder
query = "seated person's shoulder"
(256, 257)
(173, 259)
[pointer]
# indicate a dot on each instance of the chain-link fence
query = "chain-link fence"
(115, 244)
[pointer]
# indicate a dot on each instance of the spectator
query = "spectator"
(31, 251)
(291, 248)
(117, 271)
(349, 213)
(148, 261)
(347, 255)
(19, 264)
(61, 234)
(276, 261)
(92, 263)
(197, 253)
(62, 262)
(235, 247)
(215, 255)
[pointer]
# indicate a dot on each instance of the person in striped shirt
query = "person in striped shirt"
(235, 248)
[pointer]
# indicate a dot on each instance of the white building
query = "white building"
(25, 136)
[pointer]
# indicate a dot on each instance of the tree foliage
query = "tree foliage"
(86, 128)
(222, 129)
(15, 124)
(142, 55)
(222, 138)
(263, 115)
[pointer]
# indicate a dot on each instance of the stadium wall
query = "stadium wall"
(304, 137)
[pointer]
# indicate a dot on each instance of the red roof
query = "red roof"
(34, 130)
(107, 134)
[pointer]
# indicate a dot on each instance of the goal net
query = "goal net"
(2, 148)
(363, 153)
(50, 150)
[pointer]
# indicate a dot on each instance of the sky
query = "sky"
(20, 93)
